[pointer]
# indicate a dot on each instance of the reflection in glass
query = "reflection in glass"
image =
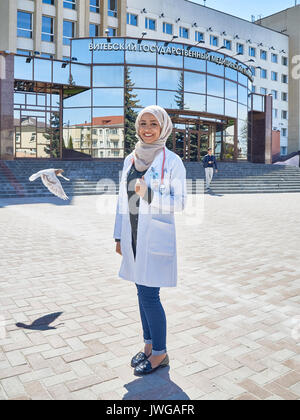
(145, 97)
(80, 50)
(80, 75)
(229, 72)
(108, 76)
(23, 70)
(170, 60)
(213, 68)
(143, 77)
(242, 138)
(42, 70)
(243, 80)
(230, 109)
(215, 105)
(108, 137)
(171, 100)
(231, 90)
(61, 75)
(258, 103)
(145, 54)
(194, 102)
(81, 99)
(195, 63)
(215, 86)
(169, 79)
(243, 95)
(243, 112)
(194, 82)
(113, 53)
(108, 97)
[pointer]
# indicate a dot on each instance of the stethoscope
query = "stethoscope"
(162, 187)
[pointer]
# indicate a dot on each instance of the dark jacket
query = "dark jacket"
(207, 159)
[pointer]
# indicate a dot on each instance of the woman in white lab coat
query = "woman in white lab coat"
(152, 188)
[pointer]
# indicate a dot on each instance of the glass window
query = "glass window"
(108, 76)
(145, 97)
(284, 115)
(215, 105)
(194, 82)
(231, 90)
(243, 112)
(24, 52)
(132, 19)
(284, 96)
(171, 100)
(105, 55)
(47, 29)
(263, 91)
(112, 8)
(169, 79)
(253, 70)
(227, 44)
(252, 52)
(284, 61)
(231, 109)
(150, 24)
(263, 55)
(168, 28)
(215, 86)
(46, 55)
(94, 6)
(263, 73)
(215, 68)
(230, 73)
(284, 132)
(243, 80)
(274, 94)
(81, 99)
(24, 24)
(42, 70)
(274, 58)
(80, 50)
(144, 53)
(274, 76)
(183, 32)
(194, 102)
(258, 103)
(240, 48)
(23, 69)
(80, 75)
(61, 74)
(283, 150)
(199, 36)
(143, 76)
(284, 78)
(94, 29)
(108, 97)
(195, 63)
(70, 4)
(49, 2)
(170, 60)
(243, 95)
(214, 41)
(275, 113)
(69, 31)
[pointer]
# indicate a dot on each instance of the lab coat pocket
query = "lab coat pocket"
(161, 238)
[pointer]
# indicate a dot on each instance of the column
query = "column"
(37, 26)
(103, 15)
(6, 106)
(122, 17)
(59, 29)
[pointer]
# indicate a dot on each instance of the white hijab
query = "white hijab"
(144, 153)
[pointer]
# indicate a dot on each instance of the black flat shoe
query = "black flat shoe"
(139, 358)
(145, 367)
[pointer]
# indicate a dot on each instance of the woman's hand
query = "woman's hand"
(118, 248)
(141, 187)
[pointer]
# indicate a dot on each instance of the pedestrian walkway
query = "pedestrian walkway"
(233, 321)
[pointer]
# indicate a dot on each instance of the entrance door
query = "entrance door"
(190, 144)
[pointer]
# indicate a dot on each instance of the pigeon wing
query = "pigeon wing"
(54, 186)
(40, 173)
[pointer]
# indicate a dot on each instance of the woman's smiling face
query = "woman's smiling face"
(149, 128)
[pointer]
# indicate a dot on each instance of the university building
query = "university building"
(75, 73)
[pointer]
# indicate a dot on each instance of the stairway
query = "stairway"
(88, 178)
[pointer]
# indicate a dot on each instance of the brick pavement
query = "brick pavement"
(233, 321)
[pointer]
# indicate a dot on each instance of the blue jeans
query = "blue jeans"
(153, 319)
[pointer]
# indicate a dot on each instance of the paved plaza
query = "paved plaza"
(69, 326)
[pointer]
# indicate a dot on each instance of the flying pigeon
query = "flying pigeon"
(50, 180)
(41, 324)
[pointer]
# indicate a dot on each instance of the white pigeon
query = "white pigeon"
(50, 180)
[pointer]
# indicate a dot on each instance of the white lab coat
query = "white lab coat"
(156, 258)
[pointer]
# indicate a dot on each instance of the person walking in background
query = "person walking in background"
(209, 162)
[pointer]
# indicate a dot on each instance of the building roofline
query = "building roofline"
(277, 13)
(236, 17)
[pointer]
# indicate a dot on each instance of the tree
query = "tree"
(179, 98)
(53, 136)
(130, 114)
(70, 143)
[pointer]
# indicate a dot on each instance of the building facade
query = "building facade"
(214, 69)
(287, 22)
